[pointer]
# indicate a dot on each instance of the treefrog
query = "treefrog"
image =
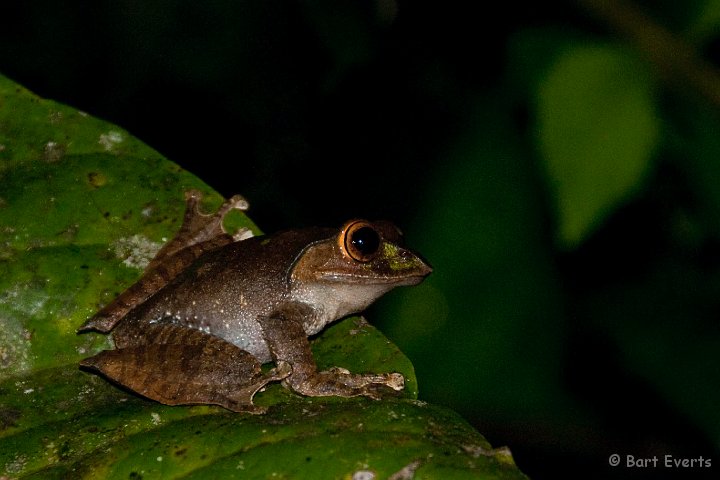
(211, 308)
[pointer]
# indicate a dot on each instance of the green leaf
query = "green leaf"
(83, 205)
(597, 128)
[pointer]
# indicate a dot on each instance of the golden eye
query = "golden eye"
(359, 240)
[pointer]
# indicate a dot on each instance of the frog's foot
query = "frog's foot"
(237, 401)
(212, 372)
(339, 382)
(199, 228)
(393, 380)
(100, 323)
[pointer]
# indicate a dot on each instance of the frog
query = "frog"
(212, 308)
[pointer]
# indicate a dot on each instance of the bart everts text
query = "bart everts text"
(659, 461)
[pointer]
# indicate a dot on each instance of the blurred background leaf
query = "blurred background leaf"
(556, 162)
(597, 127)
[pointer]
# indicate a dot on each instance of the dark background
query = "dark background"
(426, 113)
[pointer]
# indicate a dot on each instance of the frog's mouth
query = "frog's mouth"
(406, 277)
(393, 266)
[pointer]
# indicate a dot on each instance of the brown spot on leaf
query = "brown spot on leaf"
(69, 233)
(9, 417)
(97, 179)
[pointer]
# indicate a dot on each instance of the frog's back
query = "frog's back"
(225, 290)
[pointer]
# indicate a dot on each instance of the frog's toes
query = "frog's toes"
(237, 202)
(378, 391)
(98, 323)
(193, 195)
(281, 371)
(339, 370)
(89, 362)
(395, 381)
(193, 198)
(242, 234)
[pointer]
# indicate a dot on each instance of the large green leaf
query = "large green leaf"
(83, 205)
(597, 130)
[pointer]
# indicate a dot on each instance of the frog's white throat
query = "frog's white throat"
(332, 301)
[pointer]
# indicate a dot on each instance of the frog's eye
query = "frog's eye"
(360, 241)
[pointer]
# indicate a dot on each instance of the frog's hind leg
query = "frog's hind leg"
(200, 369)
(198, 234)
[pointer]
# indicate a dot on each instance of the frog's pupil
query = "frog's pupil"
(365, 240)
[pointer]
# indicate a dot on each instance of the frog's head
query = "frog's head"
(349, 270)
(362, 253)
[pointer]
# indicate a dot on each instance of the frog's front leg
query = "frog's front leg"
(288, 343)
(180, 366)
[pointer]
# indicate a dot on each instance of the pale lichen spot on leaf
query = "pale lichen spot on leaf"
(155, 418)
(55, 117)
(85, 392)
(16, 465)
(407, 472)
(26, 298)
(502, 454)
(15, 346)
(53, 152)
(110, 140)
(360, 324)
(51, 452)
(135, 251)
(363, 475)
